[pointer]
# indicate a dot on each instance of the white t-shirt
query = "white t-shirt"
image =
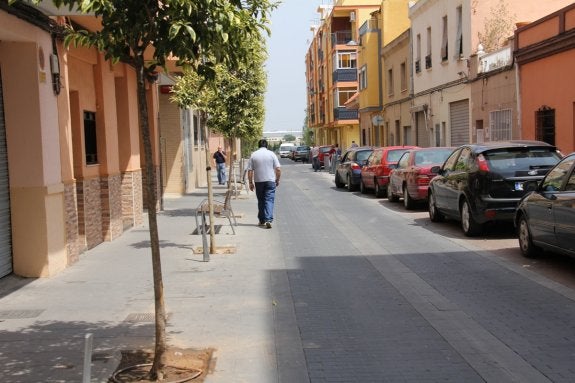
(263, 162)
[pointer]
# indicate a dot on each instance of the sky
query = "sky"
(285, 99)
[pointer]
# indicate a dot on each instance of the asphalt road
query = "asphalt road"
(382, 294)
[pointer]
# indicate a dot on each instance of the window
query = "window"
(363, 77)
(90, 138)
(444, 44)
(556, 177)
(459, 35)
(463, 160)
(545, 125)
(346, 60)
(500, 125)
(390, 82)
(418, 54)
(428, 54)
(403, 69)
(342, 95)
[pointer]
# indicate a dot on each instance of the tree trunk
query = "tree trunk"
(157, 370)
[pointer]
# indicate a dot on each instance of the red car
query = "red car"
(323, 150)
(375, 173)
(410, 179)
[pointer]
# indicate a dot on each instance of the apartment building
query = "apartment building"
(331, 71)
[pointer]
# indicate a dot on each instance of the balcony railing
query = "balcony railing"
(417, 66)
(340, 38)
(345, 114)
(341, 75)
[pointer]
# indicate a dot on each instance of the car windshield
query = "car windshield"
(432, 157)
(325, 150)
(362, 155)
(521, 159)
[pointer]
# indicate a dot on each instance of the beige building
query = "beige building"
(445, 34)
(70, 163)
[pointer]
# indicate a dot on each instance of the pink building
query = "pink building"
(545, 53)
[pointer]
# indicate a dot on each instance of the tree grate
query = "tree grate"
(20, 314)
(143, 317)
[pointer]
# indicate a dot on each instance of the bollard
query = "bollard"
(205, 238)
(87, 358)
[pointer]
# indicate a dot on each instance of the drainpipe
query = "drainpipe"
(518, 93)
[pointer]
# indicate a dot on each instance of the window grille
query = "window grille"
(500, 124)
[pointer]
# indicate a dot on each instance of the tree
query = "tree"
(190, 31)
(289, 138)
(497, 27)
(232, 100)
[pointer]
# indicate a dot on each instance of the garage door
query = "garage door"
(5, 229)
(459, 121)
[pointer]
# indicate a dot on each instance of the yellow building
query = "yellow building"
(383, 26)
(331, 71)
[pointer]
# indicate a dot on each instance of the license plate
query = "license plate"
(519, 186)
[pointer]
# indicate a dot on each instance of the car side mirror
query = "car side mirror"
(436, 169)
(530, 186)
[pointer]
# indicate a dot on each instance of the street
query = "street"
(379, 293)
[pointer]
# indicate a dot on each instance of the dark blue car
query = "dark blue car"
(348, 171)
(545, 218)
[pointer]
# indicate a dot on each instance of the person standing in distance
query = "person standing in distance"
(264, 175)
(220, 159)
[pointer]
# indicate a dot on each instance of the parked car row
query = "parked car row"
(522, 182)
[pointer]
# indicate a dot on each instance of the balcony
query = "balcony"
(340, 38)
(345, 75)
(345, 114)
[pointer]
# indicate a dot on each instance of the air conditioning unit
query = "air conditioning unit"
(352, 16)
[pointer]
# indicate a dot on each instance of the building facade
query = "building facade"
(547, 101)
(70, 164)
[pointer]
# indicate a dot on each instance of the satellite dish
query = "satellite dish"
(377, 120)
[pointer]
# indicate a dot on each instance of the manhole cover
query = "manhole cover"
(19, 314)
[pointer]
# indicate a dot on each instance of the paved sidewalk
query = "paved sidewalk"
(225, 304)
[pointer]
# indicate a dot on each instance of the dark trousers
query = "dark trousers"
(265, 193)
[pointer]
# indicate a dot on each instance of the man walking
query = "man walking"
(264, 175)
(315, 158)
(220, 159)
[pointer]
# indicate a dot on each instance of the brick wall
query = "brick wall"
(111, 196)
(73, 245)
(89, 212)
(132, 199)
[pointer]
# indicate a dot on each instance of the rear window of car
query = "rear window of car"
(362, 155)
(393, 155)
(435, 157)
(521, 159)
(325, 150)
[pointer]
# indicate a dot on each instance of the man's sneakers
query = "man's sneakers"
(268, 225)
(261, 224)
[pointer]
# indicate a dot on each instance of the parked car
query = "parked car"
(481, 183)
(375, 173)
(301, 153)
(348, 170)
(285, 150)
(545, 218)
(323, 150)
(410, 179)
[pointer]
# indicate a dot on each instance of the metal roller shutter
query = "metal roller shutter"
(5, 227)
(459, 121)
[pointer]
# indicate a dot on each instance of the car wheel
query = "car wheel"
(528, 249)
(350, 186)
(362, 187)
(469, 225)
(390, 196)
(408, 202)
(338, 183)
(379, 191)
(434, 213)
